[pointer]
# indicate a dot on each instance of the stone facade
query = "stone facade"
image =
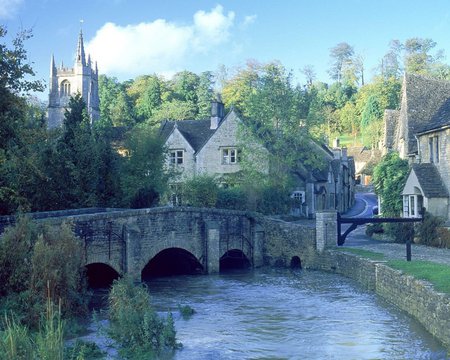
(420, 132)
(66, 82)
(213, 147)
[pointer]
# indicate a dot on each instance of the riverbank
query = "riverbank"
(416, 297)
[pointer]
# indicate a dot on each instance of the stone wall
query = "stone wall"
(415, 297)
(284, 240)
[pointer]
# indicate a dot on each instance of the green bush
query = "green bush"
(400, 232)
(201, 191)
(38, 261)
(233, 198)
(374, 229)
(135, 325)
(427, 230)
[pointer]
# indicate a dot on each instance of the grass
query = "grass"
(436, 274)
(372, 255)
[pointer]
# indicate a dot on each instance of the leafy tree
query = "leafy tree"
(15, 72)
(205, 95)
(309, 73)
(389, 178)
(372, 111)
(115, 104)
(143, 176)
(341, 57)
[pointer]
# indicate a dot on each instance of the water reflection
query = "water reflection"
(282, 314)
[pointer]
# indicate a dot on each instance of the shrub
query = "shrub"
(186, 311)
(374, 229)
(58, 267)
(427, 232)
(16, 249)
(135, 325)
(400, 232)
(233, 198)
(444, 237)
(201, 191)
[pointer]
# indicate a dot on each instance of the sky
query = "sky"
(129, 38)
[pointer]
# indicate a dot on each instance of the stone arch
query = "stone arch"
(172, 261)
(100, 275)
(296, 262)
(234, 259)
(64, 88)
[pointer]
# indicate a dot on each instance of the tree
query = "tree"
(389, 178)
(78, 161)
(15, 72)
(115, 104)
(310, 74)
(341, 56)
(144, 178)
(205, 95)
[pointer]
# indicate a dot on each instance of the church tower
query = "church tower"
(66, 82)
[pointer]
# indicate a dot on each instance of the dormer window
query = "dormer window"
(230, 156)
(176, 157)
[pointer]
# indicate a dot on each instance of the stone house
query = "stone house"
(212, 147)
(420, 131)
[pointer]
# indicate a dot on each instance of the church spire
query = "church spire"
(81, 59)
(52, 66)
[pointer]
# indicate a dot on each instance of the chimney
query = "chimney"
(217, 113)
(336, 143)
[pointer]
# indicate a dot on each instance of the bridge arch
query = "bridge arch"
(234, 259)
(100, 275)
(172, 261)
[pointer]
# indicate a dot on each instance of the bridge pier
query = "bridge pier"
(326, 230)
(212, 247)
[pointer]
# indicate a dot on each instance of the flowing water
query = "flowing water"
(282, 314)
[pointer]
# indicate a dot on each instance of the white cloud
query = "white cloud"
(158, 46)
(8, 8)
(249, 19)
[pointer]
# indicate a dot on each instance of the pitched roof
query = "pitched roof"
(196, 132)
(424, 97)
(440, 118)
(430, 181)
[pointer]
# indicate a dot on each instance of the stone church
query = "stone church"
(66, 82)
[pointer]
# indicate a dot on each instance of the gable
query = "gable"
(421, 99)
(426, 178)
(176, 140)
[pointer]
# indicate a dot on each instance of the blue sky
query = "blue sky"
(135, 37)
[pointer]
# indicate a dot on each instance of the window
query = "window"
(436, 148)
(433, 147)
(176, 157)
(230, 156)
(298, 196)
(65, 88)
(412, 206)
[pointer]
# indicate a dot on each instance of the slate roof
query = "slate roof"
(430, 181)
(424, 97)
(359, 153)
(440, 119)
(196, 132)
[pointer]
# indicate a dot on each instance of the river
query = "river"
(283, 314)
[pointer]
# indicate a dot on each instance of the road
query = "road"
(363, 207)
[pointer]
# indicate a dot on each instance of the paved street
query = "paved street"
(357, 238)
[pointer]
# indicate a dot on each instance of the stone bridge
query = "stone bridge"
(127, 241)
